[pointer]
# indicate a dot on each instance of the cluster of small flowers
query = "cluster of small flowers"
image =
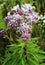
(42, 17)
(21, 19)
(2, 33)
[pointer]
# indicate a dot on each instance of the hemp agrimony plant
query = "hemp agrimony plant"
(22, 49)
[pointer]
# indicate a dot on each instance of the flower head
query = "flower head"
(21, 19)
(2, 32)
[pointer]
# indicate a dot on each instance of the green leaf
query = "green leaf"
(2, 24)
(23, 54)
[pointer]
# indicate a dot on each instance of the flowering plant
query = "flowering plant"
(21, 19)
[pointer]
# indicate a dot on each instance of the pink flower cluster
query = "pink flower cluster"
(2, 33)
(21, 19)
